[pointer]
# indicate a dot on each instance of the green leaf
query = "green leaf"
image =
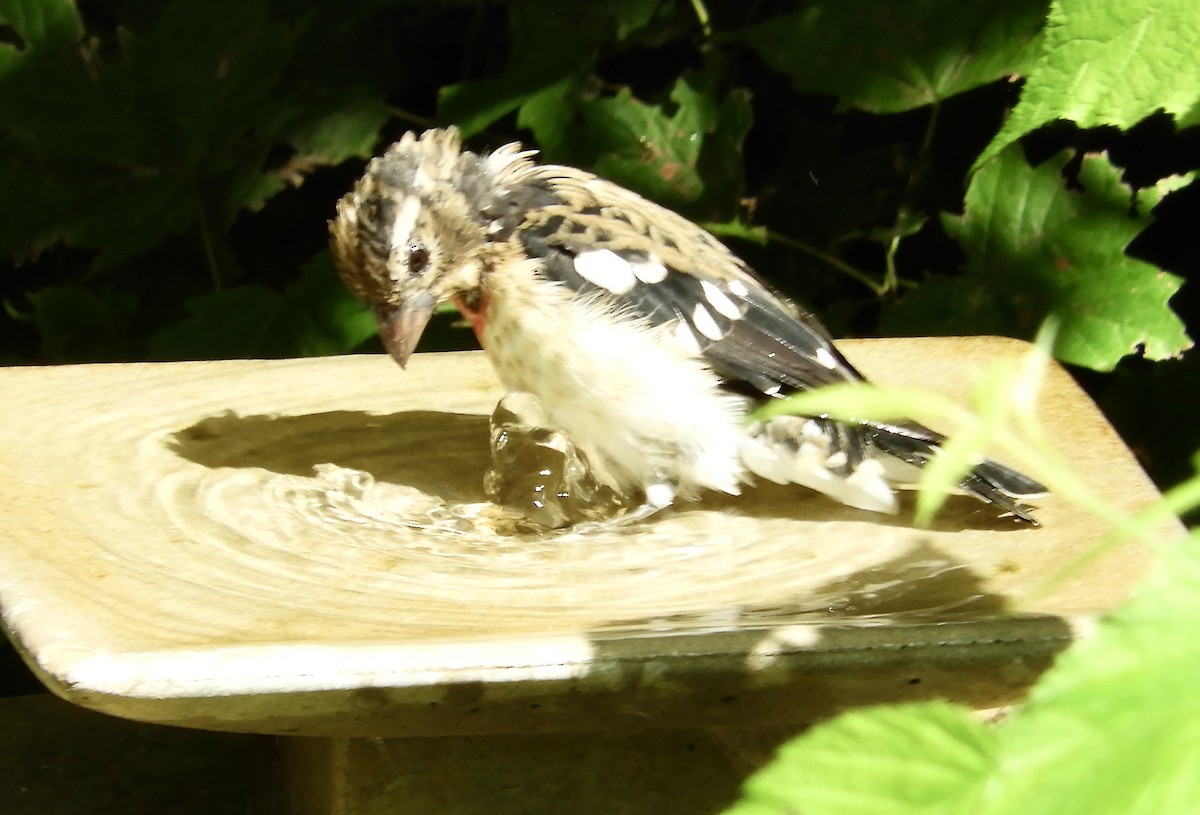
(43, 26)
(684, 152)
(631, 15)
(203, 74)
(182, 113)
(546, 49)
(1114, 727)
(1037, 247)
(313, 316)
(855, 402)
(918, 758)
(1110, 63)
(157, 124)
(351, 131)
(78, 324)
(645, 147)
(548, 113)
(945, 306)
(886, 58)
(721, 164)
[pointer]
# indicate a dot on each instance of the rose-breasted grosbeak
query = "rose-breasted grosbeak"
(645, 339)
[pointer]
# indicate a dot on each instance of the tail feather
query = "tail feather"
(857, 463)
(989, 481)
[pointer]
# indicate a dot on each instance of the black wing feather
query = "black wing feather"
(769, 346)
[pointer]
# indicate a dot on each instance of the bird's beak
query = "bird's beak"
(401, 327)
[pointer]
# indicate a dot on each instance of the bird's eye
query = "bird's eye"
(418, 259)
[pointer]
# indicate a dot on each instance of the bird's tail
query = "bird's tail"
(857, 463)
(989, 481)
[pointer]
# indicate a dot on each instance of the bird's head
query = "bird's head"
(410, 234)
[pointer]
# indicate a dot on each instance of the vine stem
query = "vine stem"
(408, 116)
(891, 279)
(210, 252)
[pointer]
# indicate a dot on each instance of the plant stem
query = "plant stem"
(408, 116)
(210, 253)
(702, 16)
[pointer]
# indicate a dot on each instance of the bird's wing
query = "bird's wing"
(661, 267)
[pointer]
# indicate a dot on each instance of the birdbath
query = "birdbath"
(302, 548)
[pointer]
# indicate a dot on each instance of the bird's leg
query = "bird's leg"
(658, 496)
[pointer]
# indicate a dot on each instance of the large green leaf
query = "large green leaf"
(313, 316)
(1115, 726)
(79, 324)
(885, 57)
(168, 130)
(913, 759)
(1036, 247)
(645, 146)
(549, 44)
(41, 27)
(1112, 62)
(684, 152)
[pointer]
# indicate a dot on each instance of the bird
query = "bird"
(645, 339)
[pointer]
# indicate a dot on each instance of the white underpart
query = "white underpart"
(640, 403)
(814, 467)
(606, 269)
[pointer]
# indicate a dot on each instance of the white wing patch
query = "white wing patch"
(649, 271)
(705, 324)
(720, 301)
(606, 269)
(827, 359)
